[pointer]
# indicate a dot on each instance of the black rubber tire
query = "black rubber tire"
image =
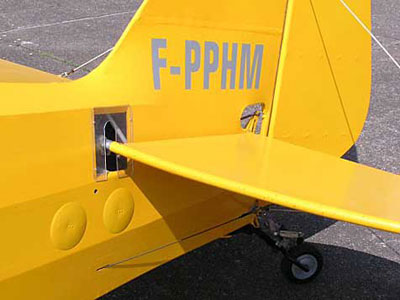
(302, 251)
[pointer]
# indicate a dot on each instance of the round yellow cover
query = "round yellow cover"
(68, 226)
(118, 210)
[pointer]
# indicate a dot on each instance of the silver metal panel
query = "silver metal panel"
(111, 124)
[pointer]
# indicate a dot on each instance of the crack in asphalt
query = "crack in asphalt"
(66, 22)
(50, 55)
(43, 54)
(384, 242)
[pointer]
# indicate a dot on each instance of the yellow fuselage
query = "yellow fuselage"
(61, 225)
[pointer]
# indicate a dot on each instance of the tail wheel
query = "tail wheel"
(306, 255)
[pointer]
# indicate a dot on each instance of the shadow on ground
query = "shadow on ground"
(245, 268)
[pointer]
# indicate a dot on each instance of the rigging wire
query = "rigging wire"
(365, 27)
(252, 211)
(67, 74)
(354, 15)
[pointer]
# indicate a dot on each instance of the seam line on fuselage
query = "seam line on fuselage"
(288, 16)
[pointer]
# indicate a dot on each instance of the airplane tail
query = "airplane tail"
(308, 61)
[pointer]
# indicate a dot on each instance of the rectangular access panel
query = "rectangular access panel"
(110, 124)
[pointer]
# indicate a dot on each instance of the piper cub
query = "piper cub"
(145, 159)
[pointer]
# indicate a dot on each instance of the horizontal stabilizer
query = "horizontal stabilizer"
(280, 173)
(11, 72)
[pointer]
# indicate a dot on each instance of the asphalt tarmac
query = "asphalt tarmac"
(360, 263)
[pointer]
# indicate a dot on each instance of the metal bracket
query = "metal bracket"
(110, 124)
(282, 239)
(271, 232)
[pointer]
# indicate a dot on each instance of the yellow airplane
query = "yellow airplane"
(145, 159)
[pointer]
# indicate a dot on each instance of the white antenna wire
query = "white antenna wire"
(66, 74)
(370, 33)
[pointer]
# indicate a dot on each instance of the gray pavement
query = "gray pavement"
(360, 263)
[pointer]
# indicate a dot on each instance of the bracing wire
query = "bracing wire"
(66, 74)
(365, 27)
